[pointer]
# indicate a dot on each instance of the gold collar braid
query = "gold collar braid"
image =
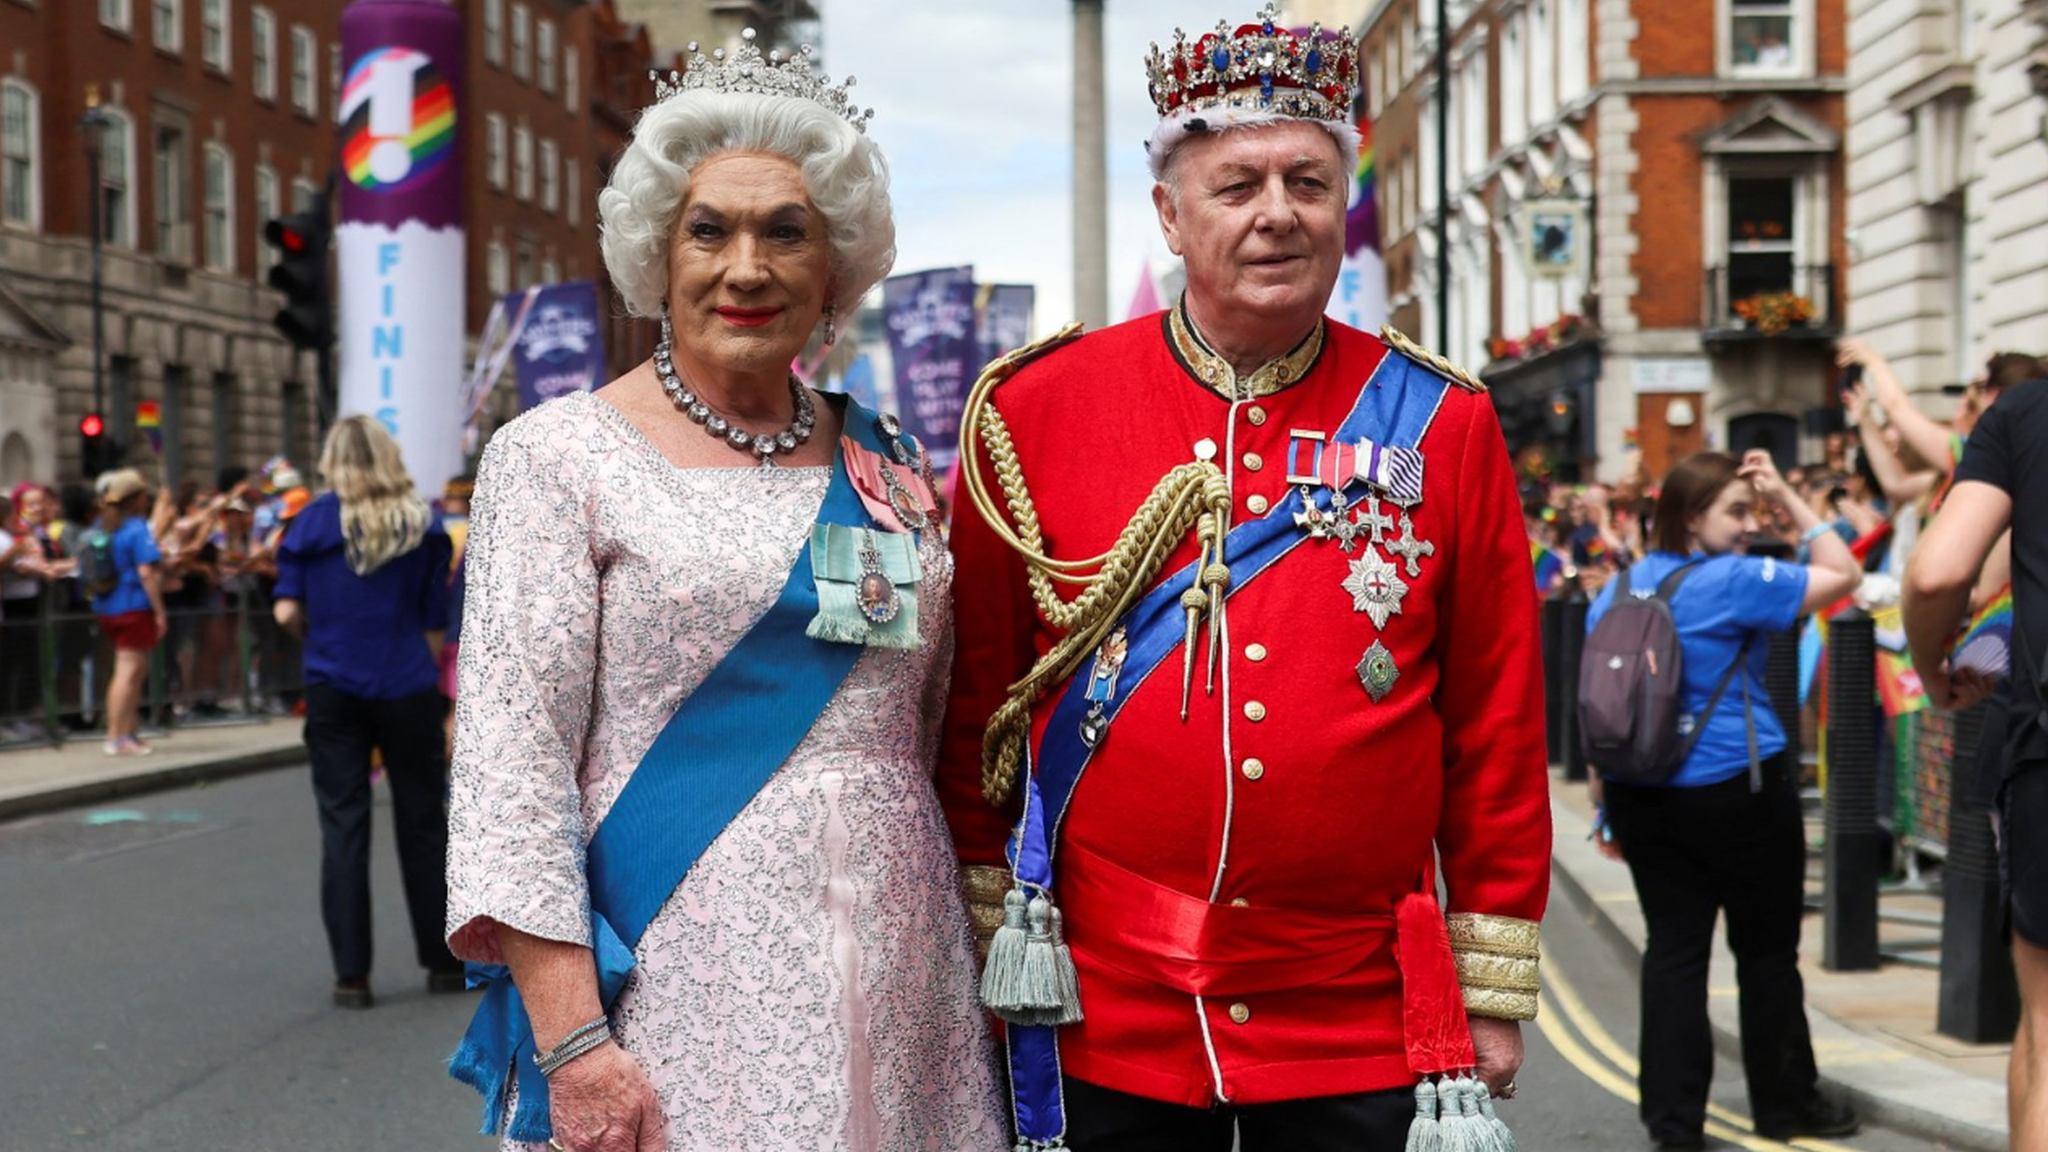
(1193, 495)
(1218, 376)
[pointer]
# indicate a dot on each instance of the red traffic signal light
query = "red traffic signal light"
(92, 425)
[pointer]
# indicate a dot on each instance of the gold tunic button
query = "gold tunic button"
(1240, 1013)
(1240, 902)
(1253, 768)
(1255, 652)
(1254, 711)
(1255, 414)
(1257, 505)
(1253, 461)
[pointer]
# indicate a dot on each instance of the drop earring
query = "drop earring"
(831, 324)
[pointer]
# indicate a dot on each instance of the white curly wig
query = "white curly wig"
(843, 171)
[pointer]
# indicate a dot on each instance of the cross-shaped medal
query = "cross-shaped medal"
(1371, 520)
(1409, 547)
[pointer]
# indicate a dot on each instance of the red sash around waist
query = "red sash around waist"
(1119, 919)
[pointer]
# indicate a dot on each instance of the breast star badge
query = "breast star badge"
(1376, 588)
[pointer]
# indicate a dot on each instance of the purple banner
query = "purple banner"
(930, 320)
(403, 70)
(1004, 323)
(559, 348)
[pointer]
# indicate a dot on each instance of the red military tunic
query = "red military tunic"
(1288, 787)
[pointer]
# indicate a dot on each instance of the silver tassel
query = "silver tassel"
(1503, 1140)
(1422, 1130)
(1002, 976)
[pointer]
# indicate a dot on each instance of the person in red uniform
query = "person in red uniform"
(1245, 759)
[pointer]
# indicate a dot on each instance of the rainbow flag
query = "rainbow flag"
(1987, 640)
(1549, 566)
(1362, 219)
(149, 418)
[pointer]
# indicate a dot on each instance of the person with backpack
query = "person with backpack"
(2004, 468)
(1678, 726)
(121, 568)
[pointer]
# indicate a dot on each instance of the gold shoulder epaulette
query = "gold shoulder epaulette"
(1002, 366)
(1443, 366)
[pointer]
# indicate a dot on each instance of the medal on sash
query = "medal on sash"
(1109, 661)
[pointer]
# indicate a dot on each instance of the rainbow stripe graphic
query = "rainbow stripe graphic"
(394, 133)
(1362, 219)
(1987, 643)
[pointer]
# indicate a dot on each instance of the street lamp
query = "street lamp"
(92, 131)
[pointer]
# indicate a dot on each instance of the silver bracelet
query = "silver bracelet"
(573, 1045)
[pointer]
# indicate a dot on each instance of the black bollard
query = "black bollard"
(1571, 645)
(1781, 681)
(1551, 624)
(1850, 856)
(1979, 1001)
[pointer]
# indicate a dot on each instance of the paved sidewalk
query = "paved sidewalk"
(1873, 1032)
(40, 779)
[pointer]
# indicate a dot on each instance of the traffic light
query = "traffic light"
(301, 240)
(94, 452)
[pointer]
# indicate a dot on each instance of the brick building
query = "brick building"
(1628, 180)
(221, 117)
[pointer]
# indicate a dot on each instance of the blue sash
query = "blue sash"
(1396, 407)
(725, 741)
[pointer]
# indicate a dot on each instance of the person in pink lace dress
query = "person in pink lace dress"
(810, 983)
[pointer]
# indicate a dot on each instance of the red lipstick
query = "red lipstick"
(749, 317)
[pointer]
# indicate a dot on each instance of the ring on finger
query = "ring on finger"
(557, 1145)
(1507, 1091)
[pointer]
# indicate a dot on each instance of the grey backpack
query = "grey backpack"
(1631, 681)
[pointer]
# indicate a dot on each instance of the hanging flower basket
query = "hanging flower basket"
(1771, 313)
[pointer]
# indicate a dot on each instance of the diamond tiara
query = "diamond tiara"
(1259, 66)
(745, 70)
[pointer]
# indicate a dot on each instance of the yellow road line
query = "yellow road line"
(1562, 997)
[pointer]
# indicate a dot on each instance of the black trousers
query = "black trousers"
(1103, 1120)
(340, 731)
(1695, 852)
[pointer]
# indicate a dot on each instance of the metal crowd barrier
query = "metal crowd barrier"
(226, 662)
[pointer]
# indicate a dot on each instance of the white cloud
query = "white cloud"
(973, 108)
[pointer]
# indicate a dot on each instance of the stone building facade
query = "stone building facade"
(1948, 184)
(222, 117)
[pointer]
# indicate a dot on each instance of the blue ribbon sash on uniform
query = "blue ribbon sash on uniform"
(725, 741)
(1394, 409)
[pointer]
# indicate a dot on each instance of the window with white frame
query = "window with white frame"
(1514, 92)
(1574, 60)
(550, 173)
(1766, 37)
(524, 273)
(20, 150)
(116, 14)
(497, 270)
(522, 162)
(166, 25)
(494, 31)
(263, 201)
(494, 150)
(572, 190)
(303, 192)
(263, 52)
(1542, 36)
(220, 208)
(334, 77)
(522, 41)
(117, 179)
(550, 272)
(1472, 114)
(305, 51)
(1763, 234)
(213, 34)
(570, 98)
(173, 185)
(544, 56)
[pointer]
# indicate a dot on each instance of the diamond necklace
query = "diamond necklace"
(763, 445)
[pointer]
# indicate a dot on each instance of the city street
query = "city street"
(167, 987)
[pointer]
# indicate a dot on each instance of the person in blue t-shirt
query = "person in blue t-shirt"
(1719, 835)
(362, 576)
(129, 602)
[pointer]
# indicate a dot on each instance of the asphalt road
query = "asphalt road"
(164, 986)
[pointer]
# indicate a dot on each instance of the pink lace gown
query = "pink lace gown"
(809, 985)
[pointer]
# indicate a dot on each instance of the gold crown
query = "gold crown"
(745, 70)
(1259, 66)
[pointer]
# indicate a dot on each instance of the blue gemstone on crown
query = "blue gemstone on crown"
(1315, 61)
(1267, 28)
(1221, 60)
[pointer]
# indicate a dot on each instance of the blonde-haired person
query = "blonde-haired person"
(361, 579)
(127, 588)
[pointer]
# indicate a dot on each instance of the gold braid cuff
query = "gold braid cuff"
(1497, 960)
(984, 886)
(1192, 496)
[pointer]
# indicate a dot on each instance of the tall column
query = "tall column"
(1091, 176)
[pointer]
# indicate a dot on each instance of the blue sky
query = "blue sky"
(973, 110)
